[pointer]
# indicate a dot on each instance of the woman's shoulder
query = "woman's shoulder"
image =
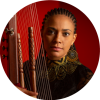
(84, 70)
(78, 67)
(84, 75)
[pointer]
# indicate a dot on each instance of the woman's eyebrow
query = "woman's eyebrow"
(62, 29)
(52, 28)
(66, 30)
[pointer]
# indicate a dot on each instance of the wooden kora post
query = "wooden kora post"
(32, 60)
(20, 62)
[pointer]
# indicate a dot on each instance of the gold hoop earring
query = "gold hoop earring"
(72, 55)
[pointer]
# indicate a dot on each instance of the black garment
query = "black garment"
(71, 83)
(66, 78)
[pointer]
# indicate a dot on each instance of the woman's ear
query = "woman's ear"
(74, 38)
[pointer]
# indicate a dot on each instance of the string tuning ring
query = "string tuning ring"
(3, 39)
(3, 48)
(3, 56)
(10, 31)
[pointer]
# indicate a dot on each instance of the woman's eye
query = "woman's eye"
(66, 34)
(51, 32)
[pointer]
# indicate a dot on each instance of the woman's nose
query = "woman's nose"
(58, 38)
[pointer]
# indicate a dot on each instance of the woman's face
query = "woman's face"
(58, 35)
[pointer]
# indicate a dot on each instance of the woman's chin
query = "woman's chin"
(55, 56)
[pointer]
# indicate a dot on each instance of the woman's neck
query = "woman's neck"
(55, 58)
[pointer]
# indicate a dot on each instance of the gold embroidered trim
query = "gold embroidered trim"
(59, 69)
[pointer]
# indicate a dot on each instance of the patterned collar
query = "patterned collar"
(60, 62)
(57, 69)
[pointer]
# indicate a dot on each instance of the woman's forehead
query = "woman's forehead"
(59, 21)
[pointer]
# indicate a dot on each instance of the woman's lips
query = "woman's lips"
(56, 48)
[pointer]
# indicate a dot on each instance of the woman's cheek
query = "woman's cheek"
(46, 44)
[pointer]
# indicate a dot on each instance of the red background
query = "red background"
(87, 43)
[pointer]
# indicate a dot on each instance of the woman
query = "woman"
(66, 74)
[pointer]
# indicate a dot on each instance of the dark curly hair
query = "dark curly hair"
(62, 12)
